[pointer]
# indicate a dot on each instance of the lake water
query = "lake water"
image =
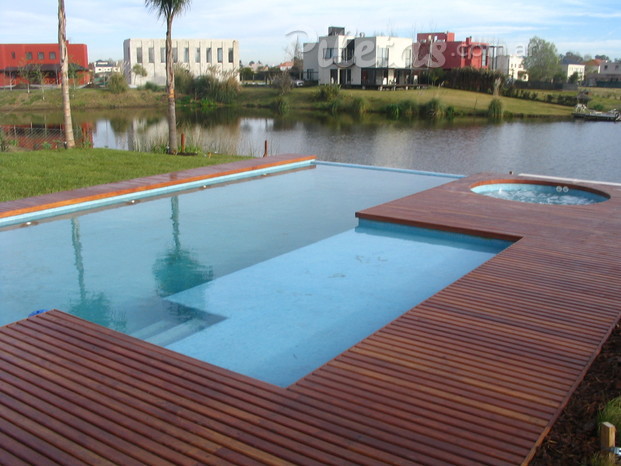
(574, 149)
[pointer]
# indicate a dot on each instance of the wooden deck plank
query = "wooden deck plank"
(476, 374)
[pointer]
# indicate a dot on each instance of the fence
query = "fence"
(35, 137)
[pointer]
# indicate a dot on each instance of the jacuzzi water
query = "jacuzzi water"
(539, 193)
(269, 277)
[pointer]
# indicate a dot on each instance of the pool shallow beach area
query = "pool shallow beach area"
(476, 373)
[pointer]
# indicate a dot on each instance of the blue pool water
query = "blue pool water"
(273, 268)
(540, 193)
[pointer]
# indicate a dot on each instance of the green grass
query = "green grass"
(464, 102)
(25, 174)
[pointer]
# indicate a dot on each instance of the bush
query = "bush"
(336, 106)
(224, 91)
(359, 106)
(328, 92)
(408, 108)
(393, 111)
(495, 109)
(280, 105)
(184, 81)
(149, 86)
(282, 83)
(117, 83)
(432, 110)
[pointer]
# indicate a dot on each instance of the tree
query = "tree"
(64, 74)
(602, 57)
(571, 58)
(168, 10)
(139, 70)
(542, 61)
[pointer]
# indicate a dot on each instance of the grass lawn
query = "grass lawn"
(25, 174)
(464, 102)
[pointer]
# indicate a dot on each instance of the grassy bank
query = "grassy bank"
(25, 174)
(464, 102)
(51, 99)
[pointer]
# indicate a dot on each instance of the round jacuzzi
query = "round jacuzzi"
(541, 193)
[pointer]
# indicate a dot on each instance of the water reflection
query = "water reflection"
(574, 149)
(92, 306)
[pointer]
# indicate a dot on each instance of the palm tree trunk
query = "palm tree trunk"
(170, 88)
(64, 74)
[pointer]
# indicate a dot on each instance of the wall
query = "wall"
(199, 56)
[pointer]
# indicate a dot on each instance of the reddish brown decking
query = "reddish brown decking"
(477, 374)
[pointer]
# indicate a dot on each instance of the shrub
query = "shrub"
(408, 108)
(335, 106)
(432, 110)
(184, 81)
(328, 92)
(150, 86)
(393, 111)
(280, 105)
(282, 83)
(495, 109)
(223, 90)
(117, 83)
(359, 106)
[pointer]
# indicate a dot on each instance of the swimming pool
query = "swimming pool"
(174, 269)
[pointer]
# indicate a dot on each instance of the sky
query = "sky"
(266, 30)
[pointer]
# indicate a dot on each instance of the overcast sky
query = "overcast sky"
(265, 29)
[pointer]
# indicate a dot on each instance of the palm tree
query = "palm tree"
(64, 73)
(168, 9)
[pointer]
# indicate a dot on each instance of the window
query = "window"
(139, 55)
(329, 53)
(151, 55)
(175, 55)
(220, 55)
(52, 55)
(41, 55)
(13, 55)
(197, 57)
(186, 55)
(231, 55)
(163, 55)
(209, 58)
(28, 55)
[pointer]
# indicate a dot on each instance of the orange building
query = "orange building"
(20, 63)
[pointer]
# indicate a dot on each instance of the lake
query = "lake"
(574, 149)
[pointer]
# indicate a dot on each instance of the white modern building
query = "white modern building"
(349, 60)
(198, 56)
(570, 69)
(511, 66)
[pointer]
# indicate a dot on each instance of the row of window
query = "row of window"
(186, 55)
(40, 55)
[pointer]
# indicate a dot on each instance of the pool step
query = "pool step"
(153, 329)
(176, 333)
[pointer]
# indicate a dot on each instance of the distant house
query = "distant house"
(105, 67)
(609, 74)
(511, 66)
(359, 61)
(198, 56)
(441, 50)
(19, 63)
(285, 66)
(569, 69)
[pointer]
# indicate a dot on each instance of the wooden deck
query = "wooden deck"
(477, 374)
